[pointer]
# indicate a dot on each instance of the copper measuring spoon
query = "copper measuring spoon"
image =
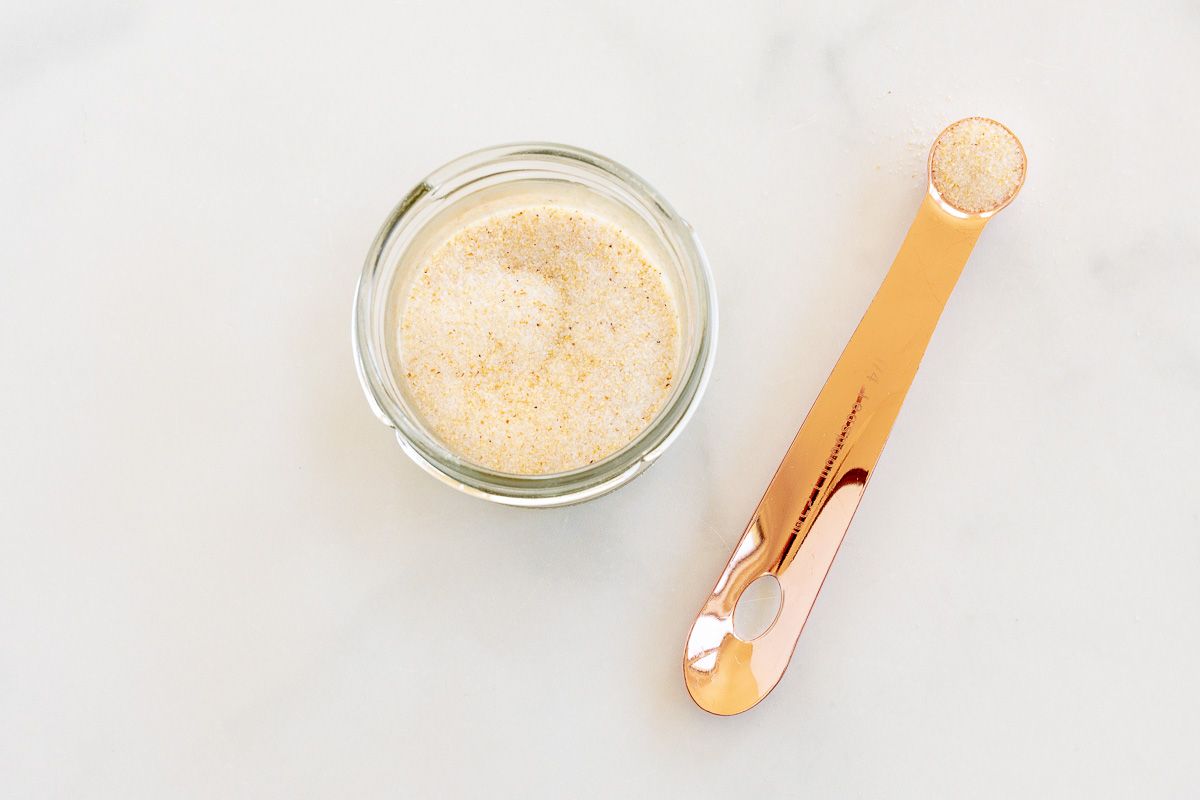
(976, 167)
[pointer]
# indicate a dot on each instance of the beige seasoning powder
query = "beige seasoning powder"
(977, 165)
(539, 340)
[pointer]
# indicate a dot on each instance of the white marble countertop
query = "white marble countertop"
(220, 577)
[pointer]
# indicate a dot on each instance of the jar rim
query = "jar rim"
(551, 489)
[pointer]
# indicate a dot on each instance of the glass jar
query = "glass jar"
(484, 183)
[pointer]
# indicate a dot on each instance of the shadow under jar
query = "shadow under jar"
(499, 181)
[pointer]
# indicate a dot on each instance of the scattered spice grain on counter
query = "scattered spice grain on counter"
(539, 340)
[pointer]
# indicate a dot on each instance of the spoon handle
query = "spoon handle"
(798, 526)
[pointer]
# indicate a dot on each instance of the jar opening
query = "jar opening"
(488, 182)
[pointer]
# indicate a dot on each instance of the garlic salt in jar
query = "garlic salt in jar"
(536, 323)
